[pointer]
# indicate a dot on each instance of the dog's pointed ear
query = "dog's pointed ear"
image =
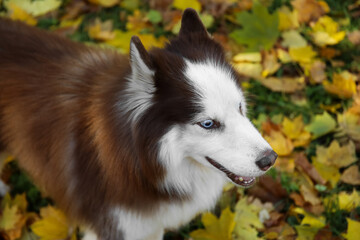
(191, 23)
(140, 59)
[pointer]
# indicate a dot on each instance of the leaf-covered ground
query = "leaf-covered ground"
(301, 65)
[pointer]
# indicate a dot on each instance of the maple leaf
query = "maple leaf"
(348, 125)
(342, 85)
(101, 30)
(215, 229)
(9, 218)
(349, 201)
(352, 229)
(288, 19)
(17, 13)
(325, 32)
(336, 155)
(35, 8)
(53, 225)
(294, 129)
(247, 220)
(329, 173)
(260, 29)
(280, 143)
(321, 124)
(309, 225)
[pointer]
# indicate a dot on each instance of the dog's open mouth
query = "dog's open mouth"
(240, 180)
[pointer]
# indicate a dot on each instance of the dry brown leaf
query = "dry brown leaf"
(314, 209)
(351, 175)
(354, 37)
(298, 199)
(274, 220)
(317, 71)
(284, 84)
(310, 195)
(329, 53)
(309, 10)
(302, 162)
(285, 164)
(270, 63)
(268, 190)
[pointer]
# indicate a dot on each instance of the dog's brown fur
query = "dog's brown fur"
(58, 117)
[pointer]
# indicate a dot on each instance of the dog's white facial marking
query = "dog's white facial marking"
(236, 144)
(140, 86)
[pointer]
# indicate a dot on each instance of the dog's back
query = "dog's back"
(51, 91)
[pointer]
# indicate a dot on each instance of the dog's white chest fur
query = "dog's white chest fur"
(206, 188)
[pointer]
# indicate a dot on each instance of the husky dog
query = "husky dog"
(127, 147)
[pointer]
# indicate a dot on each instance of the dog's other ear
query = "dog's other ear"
(141, 64)
(191, 23)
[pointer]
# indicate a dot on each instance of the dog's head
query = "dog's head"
(186, 100)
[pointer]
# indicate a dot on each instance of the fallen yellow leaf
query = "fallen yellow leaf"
(35, 8)
(352, 230)
(329, 173)
(336, 155)
(293, 39)
(294, 129)
(288, 19)
(280, 143)
(349, 125)
(326, 32)
(215, 228)
(53, 225)
(284, 84)
(17, 13)
(183, 4)
(9, 217)
(247, 220)
(349, 201)
(253, 70)
(342, 85)
(283, 55)
(302, 54)
(247, 57)
(101, 30)
(137, 22)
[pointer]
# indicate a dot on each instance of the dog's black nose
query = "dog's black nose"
(267, 160)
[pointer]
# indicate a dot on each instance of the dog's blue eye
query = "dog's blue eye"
(208, 124)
